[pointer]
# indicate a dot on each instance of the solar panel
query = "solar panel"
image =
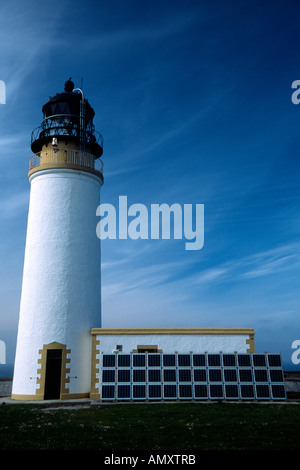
(199, 360)
(139, 392)
(169, 360)
(154, 360)
(154, 375)
(124, 375)
(231, 391)
(139, 360)
(123, 360)
(262, 391)
(216, 391)
(201, 391)
(244, 360)
(170, 391)
(260, 375)
(170, 375)
(185, 375)
(108, 375)
(108, 392)
(214, 360)
(230, 375)
(276, 375)
(229, 360)
(139, 375)
(200, 375)
(274, 360)
(259, 360)
(245, 375)
(185, 391)
(109, 360)
(154, 391)
(278, 391)
(124, 392)
(215, 375)
(247, 391)
(184, 360)
(196, 376)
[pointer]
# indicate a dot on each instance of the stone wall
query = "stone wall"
(292, 384)
(5, 387)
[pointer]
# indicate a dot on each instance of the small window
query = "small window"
(147, 349)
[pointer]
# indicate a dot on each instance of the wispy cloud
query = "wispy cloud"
(272, 261)
(140, 32)
(127, 275)
(213, 274)
(263, 263)
(26, 36)
(11, 206)
(11, 141)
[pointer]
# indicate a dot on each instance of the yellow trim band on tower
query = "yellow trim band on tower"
(65, 156)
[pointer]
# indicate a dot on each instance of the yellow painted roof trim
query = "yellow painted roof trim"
(172, 331)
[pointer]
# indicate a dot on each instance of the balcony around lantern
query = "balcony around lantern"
(69, 127)
(66, 158)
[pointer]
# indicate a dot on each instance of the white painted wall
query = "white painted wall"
(61, 291)
(182, 343)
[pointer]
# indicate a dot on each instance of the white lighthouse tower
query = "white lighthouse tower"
(61, 289)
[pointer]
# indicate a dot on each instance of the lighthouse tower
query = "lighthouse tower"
(61, 288)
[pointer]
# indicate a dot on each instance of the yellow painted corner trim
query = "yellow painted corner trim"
(94, 393)
(172, 331)
(250, 341)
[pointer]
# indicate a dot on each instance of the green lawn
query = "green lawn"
(180, 427)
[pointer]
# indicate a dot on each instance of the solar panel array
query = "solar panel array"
(159, 376)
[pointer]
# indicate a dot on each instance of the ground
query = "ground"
(172, 427)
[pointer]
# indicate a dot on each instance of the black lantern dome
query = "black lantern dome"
(68, 116)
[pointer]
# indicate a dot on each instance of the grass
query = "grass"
(180, 427)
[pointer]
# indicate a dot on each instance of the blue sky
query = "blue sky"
(193, 99)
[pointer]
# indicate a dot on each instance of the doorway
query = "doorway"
(53, 374)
